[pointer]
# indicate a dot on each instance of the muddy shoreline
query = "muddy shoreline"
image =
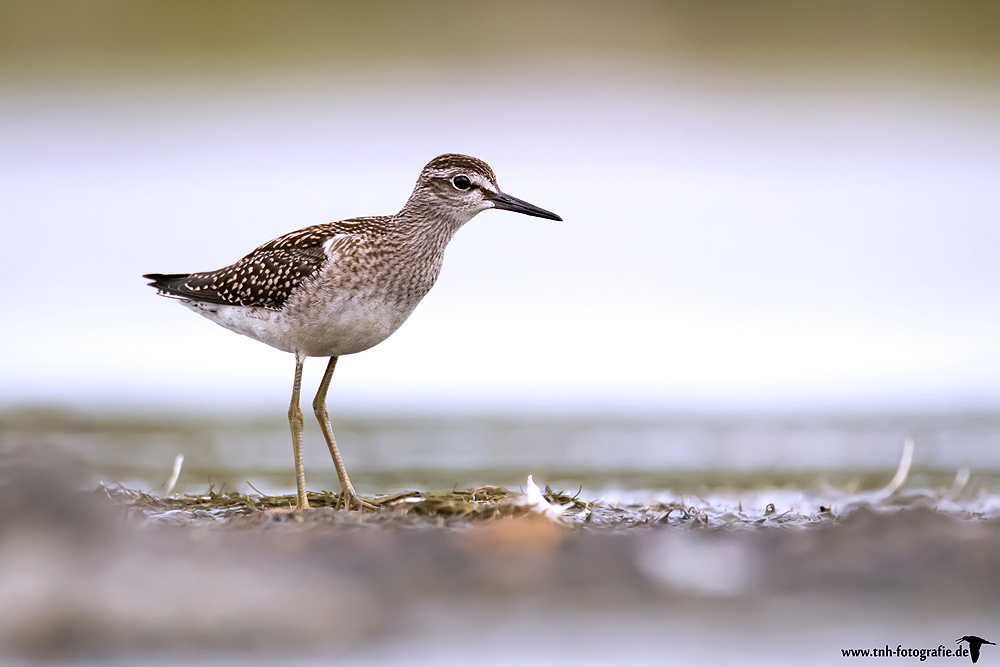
(127, 577)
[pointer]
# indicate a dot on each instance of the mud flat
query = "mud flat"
(126, 577)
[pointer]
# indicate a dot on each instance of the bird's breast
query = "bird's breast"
(336, 317)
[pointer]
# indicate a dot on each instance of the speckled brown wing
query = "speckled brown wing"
(268, 275)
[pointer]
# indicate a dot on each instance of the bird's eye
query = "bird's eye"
(461, 182)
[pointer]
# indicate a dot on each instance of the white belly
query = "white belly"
(316, 328)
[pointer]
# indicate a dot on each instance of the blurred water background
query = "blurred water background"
(768, 211)
(783, 210)
(605, 456)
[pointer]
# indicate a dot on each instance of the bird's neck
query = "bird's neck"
(429, 226)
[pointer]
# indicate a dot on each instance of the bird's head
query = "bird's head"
(463, 186)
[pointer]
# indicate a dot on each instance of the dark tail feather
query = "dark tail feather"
(167, 282)
(189, 286)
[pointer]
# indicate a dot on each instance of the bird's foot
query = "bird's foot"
(350, 500)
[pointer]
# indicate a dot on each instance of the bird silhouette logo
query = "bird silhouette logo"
(975, 643)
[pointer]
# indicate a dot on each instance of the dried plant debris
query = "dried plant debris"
(473, 504)
(711, 510)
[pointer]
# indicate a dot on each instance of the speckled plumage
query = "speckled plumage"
(342, 287)
(271, 273)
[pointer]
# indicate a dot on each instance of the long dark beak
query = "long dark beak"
(508, 203)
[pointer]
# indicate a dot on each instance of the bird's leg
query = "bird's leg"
(348, 499)
(295, 422)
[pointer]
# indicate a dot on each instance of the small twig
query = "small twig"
(901, 473)
(397, 496)
(961, 479)
(172, 482)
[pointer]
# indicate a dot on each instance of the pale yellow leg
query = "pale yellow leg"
(295, 422)
(348, 497)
